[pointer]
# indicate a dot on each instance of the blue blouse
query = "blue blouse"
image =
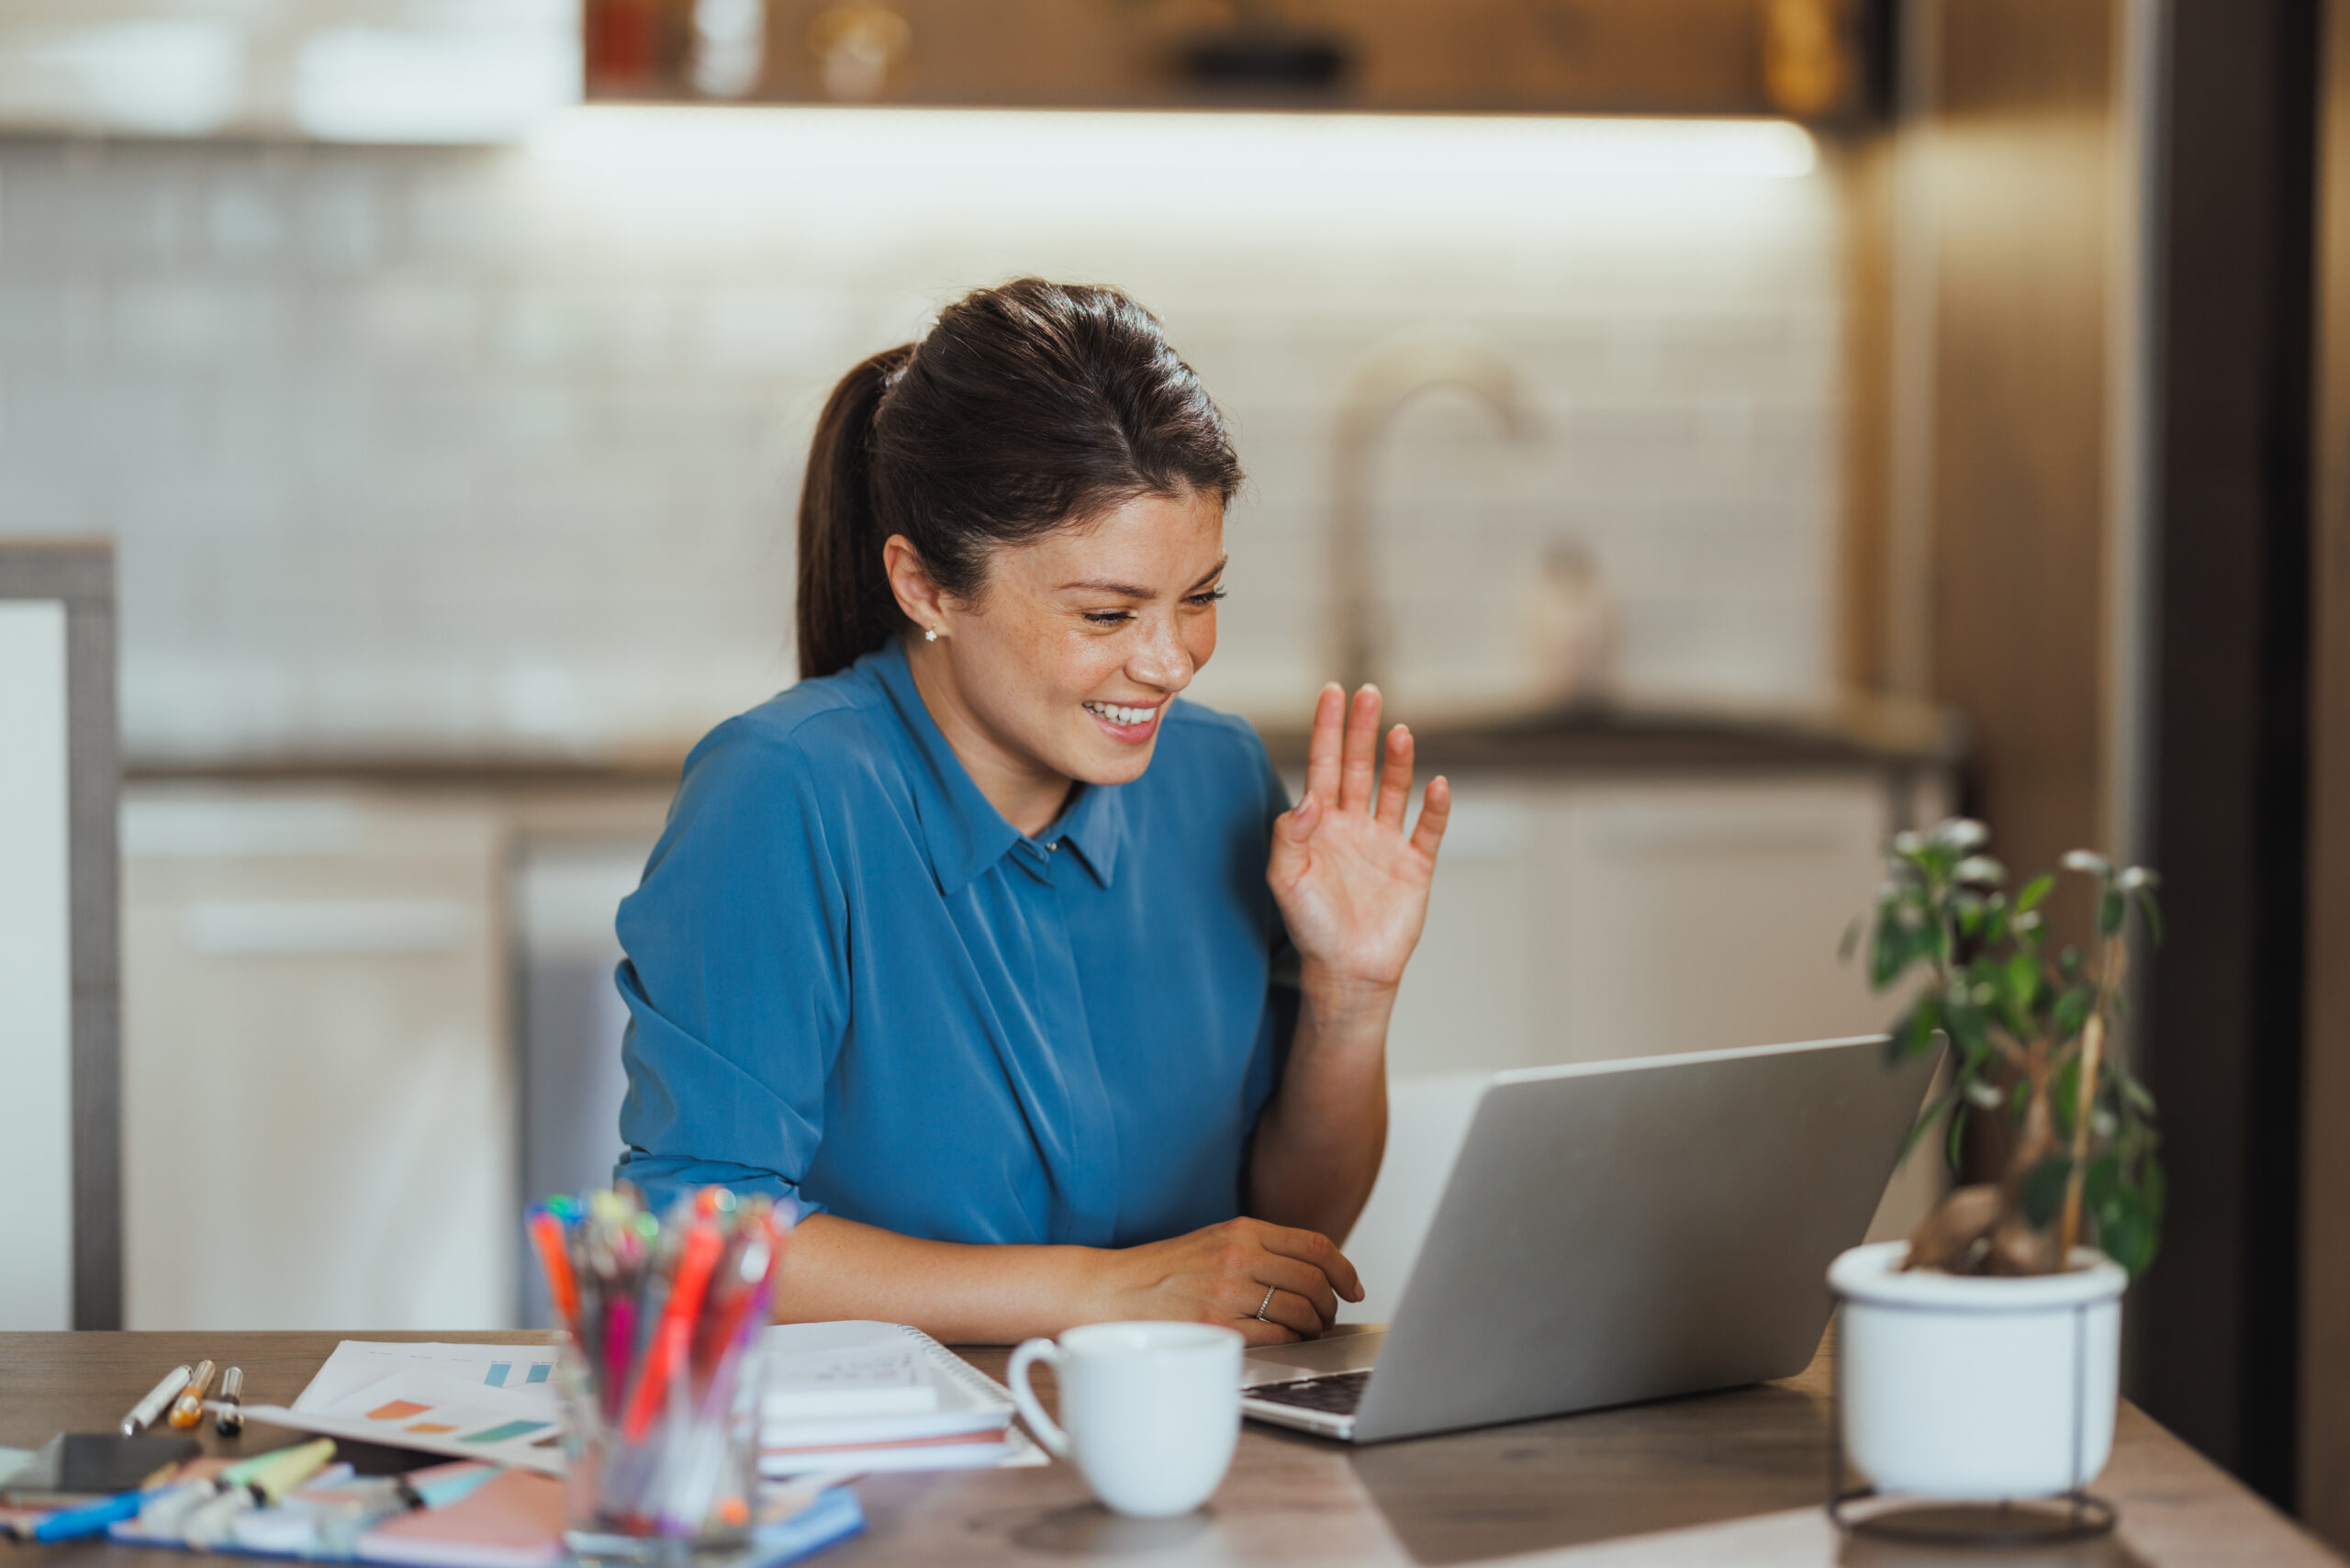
(850, 979)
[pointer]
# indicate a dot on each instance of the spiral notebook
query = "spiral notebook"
(871, 1396)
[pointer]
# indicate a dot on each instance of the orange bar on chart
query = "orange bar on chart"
(398, 1410)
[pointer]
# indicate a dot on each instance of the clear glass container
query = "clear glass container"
(685, 1491)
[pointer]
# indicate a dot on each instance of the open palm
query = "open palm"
(1351, 885)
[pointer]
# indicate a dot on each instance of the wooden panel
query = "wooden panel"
(2324, 1415)
(2228, 683)
(2020, 172)
(1862, 169)
(1594, 56)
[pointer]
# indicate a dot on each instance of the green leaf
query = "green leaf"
(1957, 1135)
(2069, 963)
(1935, 1110)
(2064, 1096)
(2101, 1181)
(1889, 952)
(2147, 907)
(1970, 914)
(1966, 1023)
(2019, 990)
(1852, 942)
(2041, 1193)
(2129, 1228)
(2112, 909)
(2034, 892)
(1916, 1035)
(2071, 1014)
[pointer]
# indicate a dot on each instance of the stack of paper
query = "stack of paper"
(868, 1397)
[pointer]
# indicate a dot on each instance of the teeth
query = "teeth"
(1118, 715)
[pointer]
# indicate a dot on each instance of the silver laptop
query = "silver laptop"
(1619, 1231)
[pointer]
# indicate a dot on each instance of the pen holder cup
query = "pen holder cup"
(684, 1489)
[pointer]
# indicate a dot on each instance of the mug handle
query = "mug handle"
(1029, 1352)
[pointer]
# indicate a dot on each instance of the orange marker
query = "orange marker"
(547, 1232)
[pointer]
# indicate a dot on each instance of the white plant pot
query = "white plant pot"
(1973, 1388)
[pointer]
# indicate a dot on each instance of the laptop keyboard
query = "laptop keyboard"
(1336, 1394)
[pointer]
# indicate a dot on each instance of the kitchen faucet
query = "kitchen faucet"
(1390, 378)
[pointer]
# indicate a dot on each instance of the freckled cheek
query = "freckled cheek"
(1199, 640)
(1086, 665)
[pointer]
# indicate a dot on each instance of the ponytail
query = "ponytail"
(1030, 407)
(845, 608)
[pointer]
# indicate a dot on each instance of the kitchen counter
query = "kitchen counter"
(1871, 733)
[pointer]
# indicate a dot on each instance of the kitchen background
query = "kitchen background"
(463, 475)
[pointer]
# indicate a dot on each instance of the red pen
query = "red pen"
(673, 1340)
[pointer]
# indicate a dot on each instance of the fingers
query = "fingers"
(1435, 809)
(1296, 825)
(1322, 750)
(1359, 762)
(1395, 780)
(1296, 1313)
(1313, 1247)
(1288, 1276)
(1254, 1334)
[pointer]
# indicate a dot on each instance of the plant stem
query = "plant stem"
(2068, 1228)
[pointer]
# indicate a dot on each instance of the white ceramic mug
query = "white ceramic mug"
(1152, 1409)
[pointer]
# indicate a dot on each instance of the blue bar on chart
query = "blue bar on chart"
(497, 1370)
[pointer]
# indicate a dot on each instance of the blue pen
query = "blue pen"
(91, 1519)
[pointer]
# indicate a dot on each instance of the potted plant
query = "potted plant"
(1980, 1359)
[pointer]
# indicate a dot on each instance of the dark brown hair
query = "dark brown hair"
(1029, 407)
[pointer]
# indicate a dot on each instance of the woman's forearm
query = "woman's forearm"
(1320, 1138)
(959, 1293)
(1270, 1283)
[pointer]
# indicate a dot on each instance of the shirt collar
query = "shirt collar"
(961, 829)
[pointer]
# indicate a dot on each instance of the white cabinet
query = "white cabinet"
(320, 1118)
(1583, 918)
(36, 967)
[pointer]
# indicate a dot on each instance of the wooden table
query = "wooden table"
(1728, 1478)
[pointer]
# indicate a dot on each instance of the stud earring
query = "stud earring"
(928, 635)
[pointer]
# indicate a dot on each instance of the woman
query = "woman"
(1019, 974)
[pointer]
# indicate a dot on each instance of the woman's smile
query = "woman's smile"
(1128, 724)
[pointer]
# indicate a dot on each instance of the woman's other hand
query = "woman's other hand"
(1220, 1274)
(1353, 888)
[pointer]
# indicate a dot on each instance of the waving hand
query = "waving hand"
(1352, 886)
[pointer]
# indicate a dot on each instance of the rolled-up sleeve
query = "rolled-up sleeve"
(735, 976)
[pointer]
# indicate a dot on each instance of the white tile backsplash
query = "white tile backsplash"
(493, 448)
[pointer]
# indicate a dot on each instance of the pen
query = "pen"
(546, 1231)
(147, 1410)
(672, 1338)
(187, 1410)
(91, 1519)
(228, 1418)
